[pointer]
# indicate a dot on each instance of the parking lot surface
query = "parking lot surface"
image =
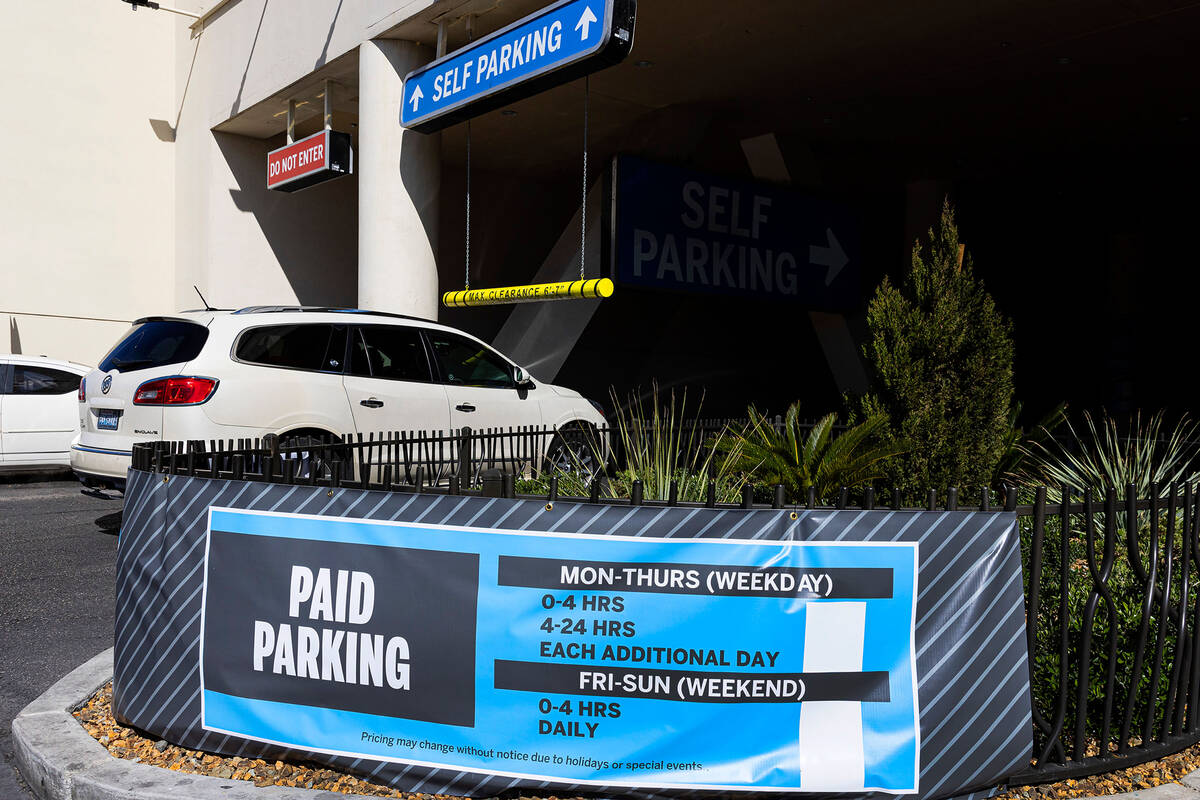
(56, 595)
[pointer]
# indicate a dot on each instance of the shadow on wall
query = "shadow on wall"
(321, 59)
(14, 337)
(312, 232)
(421, 173)
(237, 101)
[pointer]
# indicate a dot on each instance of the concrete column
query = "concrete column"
(399, 177)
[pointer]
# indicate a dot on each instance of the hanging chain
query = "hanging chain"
(467, 248)
(583, 201)
(467, 266)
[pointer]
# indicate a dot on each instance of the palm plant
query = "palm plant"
(816, 458)
(1102, 458)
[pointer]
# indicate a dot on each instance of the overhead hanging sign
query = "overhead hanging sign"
(310, 161)
(561, 42)
(688, 231)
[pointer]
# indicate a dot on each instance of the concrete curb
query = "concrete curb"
(61, 761)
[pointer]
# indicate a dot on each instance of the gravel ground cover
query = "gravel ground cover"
(96, 717)
(1131, 779)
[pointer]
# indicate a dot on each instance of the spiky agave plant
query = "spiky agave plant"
(816, 457)
(1102, 458)
(664, 442)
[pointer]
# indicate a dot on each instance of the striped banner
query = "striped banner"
(972, 665)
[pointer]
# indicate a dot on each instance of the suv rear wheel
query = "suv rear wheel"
(576, 448)
(313, 455)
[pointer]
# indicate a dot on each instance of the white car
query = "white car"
(38, 417)
(300, 372)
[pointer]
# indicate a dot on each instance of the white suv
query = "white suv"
(299, 372)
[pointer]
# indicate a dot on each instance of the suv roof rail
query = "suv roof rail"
(327, 310)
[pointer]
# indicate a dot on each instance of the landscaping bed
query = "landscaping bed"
(1170, 769)
(97, 719)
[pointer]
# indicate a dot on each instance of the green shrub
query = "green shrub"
(1099, 457)
(941, 355)
(1123, 619)
(571, 483)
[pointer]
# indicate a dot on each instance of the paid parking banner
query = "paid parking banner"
(551, 656)
(464, 645)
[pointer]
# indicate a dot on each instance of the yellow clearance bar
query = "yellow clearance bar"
(533, 293)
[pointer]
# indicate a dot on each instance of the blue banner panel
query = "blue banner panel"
(530, 55)
(565, 657)
(687, 231)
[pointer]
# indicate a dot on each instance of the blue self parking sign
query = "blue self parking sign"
(561, 42)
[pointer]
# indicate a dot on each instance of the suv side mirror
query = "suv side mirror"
(521, 378)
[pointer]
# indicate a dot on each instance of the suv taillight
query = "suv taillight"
(82, 394)
(174, 391)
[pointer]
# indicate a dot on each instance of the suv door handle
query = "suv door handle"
(371, 403)
(465, 407)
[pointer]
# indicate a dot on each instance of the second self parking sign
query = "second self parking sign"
(593, 660)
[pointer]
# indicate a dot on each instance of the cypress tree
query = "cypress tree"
(941, 355)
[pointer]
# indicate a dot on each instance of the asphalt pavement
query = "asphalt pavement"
(56, 594)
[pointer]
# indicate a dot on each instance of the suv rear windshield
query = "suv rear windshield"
(155, 344)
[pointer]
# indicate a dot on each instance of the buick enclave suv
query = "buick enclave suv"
(296, 373)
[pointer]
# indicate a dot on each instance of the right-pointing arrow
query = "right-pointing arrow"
(415, 97)
(833, 256)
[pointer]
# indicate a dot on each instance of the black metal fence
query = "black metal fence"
(1112, 582)
(1113, 610)
(415, 460)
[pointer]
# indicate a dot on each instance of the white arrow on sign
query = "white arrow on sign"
(416, 97)
(833, 256)
(585, 22)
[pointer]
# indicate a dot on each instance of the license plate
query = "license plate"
(108, 420)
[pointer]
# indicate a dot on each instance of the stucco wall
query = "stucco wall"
(241, 244)
(254, 48)
(86, 201)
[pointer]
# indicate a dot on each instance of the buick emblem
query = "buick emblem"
(106, 384)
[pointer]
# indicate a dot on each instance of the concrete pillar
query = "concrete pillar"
(399, 177)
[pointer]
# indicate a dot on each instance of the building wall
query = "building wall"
(106, 217)
(86, 202)
(240, 244)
